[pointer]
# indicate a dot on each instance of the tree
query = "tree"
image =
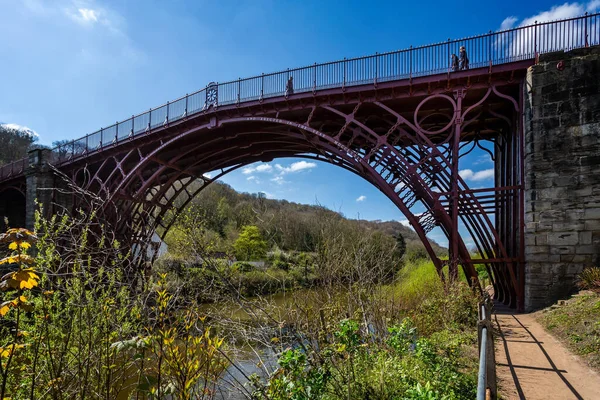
(400, 245)
(250, 245)
(15, 142)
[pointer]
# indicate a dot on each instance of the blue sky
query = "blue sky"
(70, 67)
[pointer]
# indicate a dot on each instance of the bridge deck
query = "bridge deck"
(509, 50)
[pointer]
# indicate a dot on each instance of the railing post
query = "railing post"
(586, 31)
(344, 75)
(132, 132)
(149, 127)
(117, 132)
(491, 60)
(376, 68)
(535, 53)
(101, 137)
(262, 86)
(166, 122)
(448, 60)
(315, 78)
(238, 89)
(186, 105)
(410, 54)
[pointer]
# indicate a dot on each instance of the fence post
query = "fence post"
(410, 54)
(239, 88)
(116, 132)
(448, 60)
(585, 19)
(535, 52)
(315, 78)
(376, 68)
(344, 75)
(262, 86)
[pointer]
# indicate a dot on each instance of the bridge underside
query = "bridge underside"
(407, 138)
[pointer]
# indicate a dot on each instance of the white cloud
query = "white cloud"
(21, 128)
(88, 14)
(361, 198)
(484, 158)
(295, 167)
(522, 41)
(508, 23)
(257, 168)
(251, 178)
(469, 175)
(406, 223)
(593, 6)
(263, 168)
(279, 180)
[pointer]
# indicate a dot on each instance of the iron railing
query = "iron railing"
(486, 378)
(522, 43)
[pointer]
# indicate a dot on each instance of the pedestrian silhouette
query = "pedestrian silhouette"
(463, 59)
(454, 62)
(289, 87)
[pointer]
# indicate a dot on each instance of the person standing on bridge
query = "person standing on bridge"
(453, 63)
(463, 58)
(289, 87)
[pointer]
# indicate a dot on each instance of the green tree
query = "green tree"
(400, 245)
(250, 245)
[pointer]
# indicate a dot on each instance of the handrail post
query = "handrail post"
(535, 52)
(586, 31)
(448, 60)
(262, 86)
(344, 75)
(491, 60)
(101, 137)
(116, 132)
(376, 68)
(410, 54)
(238, 90)
(185, 112)
(315, 79)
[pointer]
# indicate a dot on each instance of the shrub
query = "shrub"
(589, 278)
(242, 266)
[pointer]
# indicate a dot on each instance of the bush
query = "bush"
(242, 266)
(589, 278)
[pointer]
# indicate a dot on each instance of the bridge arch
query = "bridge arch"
(379, 162)
(12, 206)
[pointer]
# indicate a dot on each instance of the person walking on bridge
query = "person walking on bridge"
(463, 59)
(289, 87)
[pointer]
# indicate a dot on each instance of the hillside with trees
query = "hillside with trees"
(286, 225)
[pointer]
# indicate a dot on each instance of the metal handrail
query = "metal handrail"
(493, 48)
(486, 377)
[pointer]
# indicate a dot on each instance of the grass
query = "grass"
(577, 324)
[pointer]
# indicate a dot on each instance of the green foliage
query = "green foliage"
(400, 245)
(353, 366)
(250, 245)
(242, 266)
(88, 332)
(577, 323)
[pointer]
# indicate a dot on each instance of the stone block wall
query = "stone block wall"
(562, 173)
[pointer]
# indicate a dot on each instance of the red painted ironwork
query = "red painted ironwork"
(400, 120)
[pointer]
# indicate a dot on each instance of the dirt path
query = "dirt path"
(532, 365)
